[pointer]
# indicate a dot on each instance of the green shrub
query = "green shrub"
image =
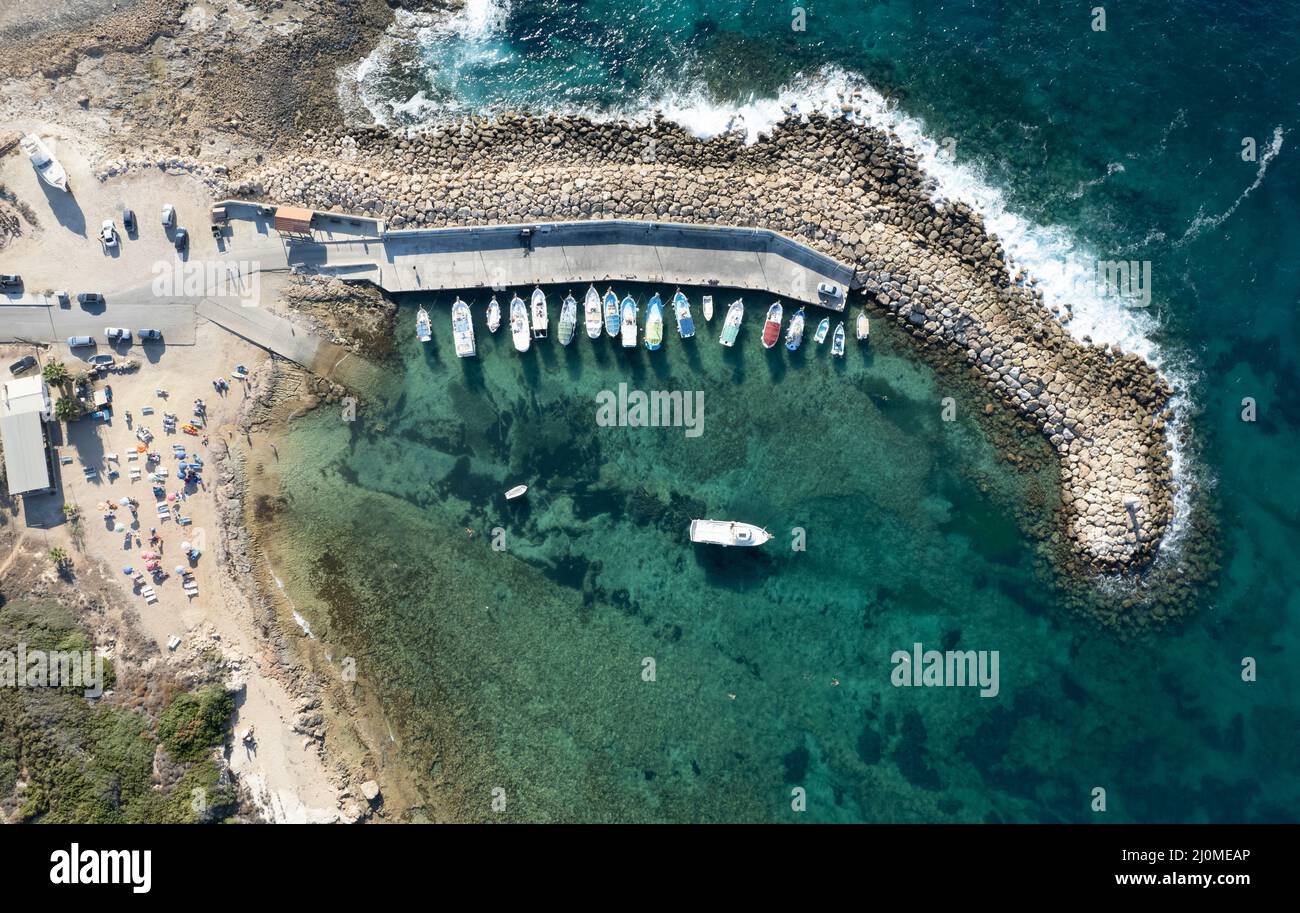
(195, 722)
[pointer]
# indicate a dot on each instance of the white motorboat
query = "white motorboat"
(728, 533)
(462, 329)
(517, 492)
(538, 311)
(46, 165)
(493, 315)
(591, 310)
(519, 324)
(423, 328)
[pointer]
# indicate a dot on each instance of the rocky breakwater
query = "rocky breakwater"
(843, 188)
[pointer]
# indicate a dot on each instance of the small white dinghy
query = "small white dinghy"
(517, 492)
(708, 307)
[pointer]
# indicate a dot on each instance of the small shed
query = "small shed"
(293, 220)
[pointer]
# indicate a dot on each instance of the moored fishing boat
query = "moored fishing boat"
(591, 308)
(820, 336)
(728, 533)
(682, 311)
(629, 323)
(611, 313)
(654, 323)
(864, 325)
(423, 327)
(568, 319)
(837, 343)
(794, 333)
(731, 326)
(708, 308)
(538, 312)
(46, 165)
(519, 324)
(772, 326)
(462, 329)
(493, 315)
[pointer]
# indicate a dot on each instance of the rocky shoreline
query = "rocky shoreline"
(846, 189)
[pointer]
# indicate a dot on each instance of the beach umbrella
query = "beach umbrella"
(102, 505)
(125, 502)
(171, 497)
(119, 528)
(180, 569)
(128, 570)
(185, 546)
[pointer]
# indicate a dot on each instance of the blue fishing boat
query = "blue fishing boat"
(654, 323)
(682, 310)
(822, 329)
(611, 313)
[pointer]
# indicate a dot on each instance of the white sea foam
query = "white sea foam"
(1061, 268)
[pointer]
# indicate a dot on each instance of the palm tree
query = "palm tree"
(60, 558)
(55, 374)
(67, 409)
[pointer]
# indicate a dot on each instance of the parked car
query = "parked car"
(149, 334)
(117, 334)
(182, 239)
(7, 279)
(26, 363)
(830, 290)
(128, 221)
(169, 216)
(101, 361)
(108, 234)
(77, 342)
(90, 298)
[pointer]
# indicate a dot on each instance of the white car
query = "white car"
(169, 216)
(117, 334)
(830, 290)
(108, 234)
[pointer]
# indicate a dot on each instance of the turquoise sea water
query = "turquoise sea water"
(522, 668)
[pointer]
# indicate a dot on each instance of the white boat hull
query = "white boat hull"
(728, 533)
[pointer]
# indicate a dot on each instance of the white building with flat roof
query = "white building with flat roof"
(24, 409)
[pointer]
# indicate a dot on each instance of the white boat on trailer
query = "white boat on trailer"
(46, 165)
(728, 533)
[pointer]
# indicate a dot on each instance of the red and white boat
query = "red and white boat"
(772, 328)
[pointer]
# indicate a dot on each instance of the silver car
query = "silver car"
(148, 334)
(117, 334)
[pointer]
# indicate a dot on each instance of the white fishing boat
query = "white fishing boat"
(538, 311)
(708, 307)
(462, 329)
(864, 326)
(493, 315)
(46, 165)
(423, 327)
(610, 304)
(568, 319)
(837, 343)
(629, 323)
(822, 329)
(728, 533)
(731, 327)
(591, 309)
(517, 492)
(519, 324)
(794, 333)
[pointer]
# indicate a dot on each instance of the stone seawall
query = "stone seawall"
(845, 189)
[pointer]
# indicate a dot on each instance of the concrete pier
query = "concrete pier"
(597, 251)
